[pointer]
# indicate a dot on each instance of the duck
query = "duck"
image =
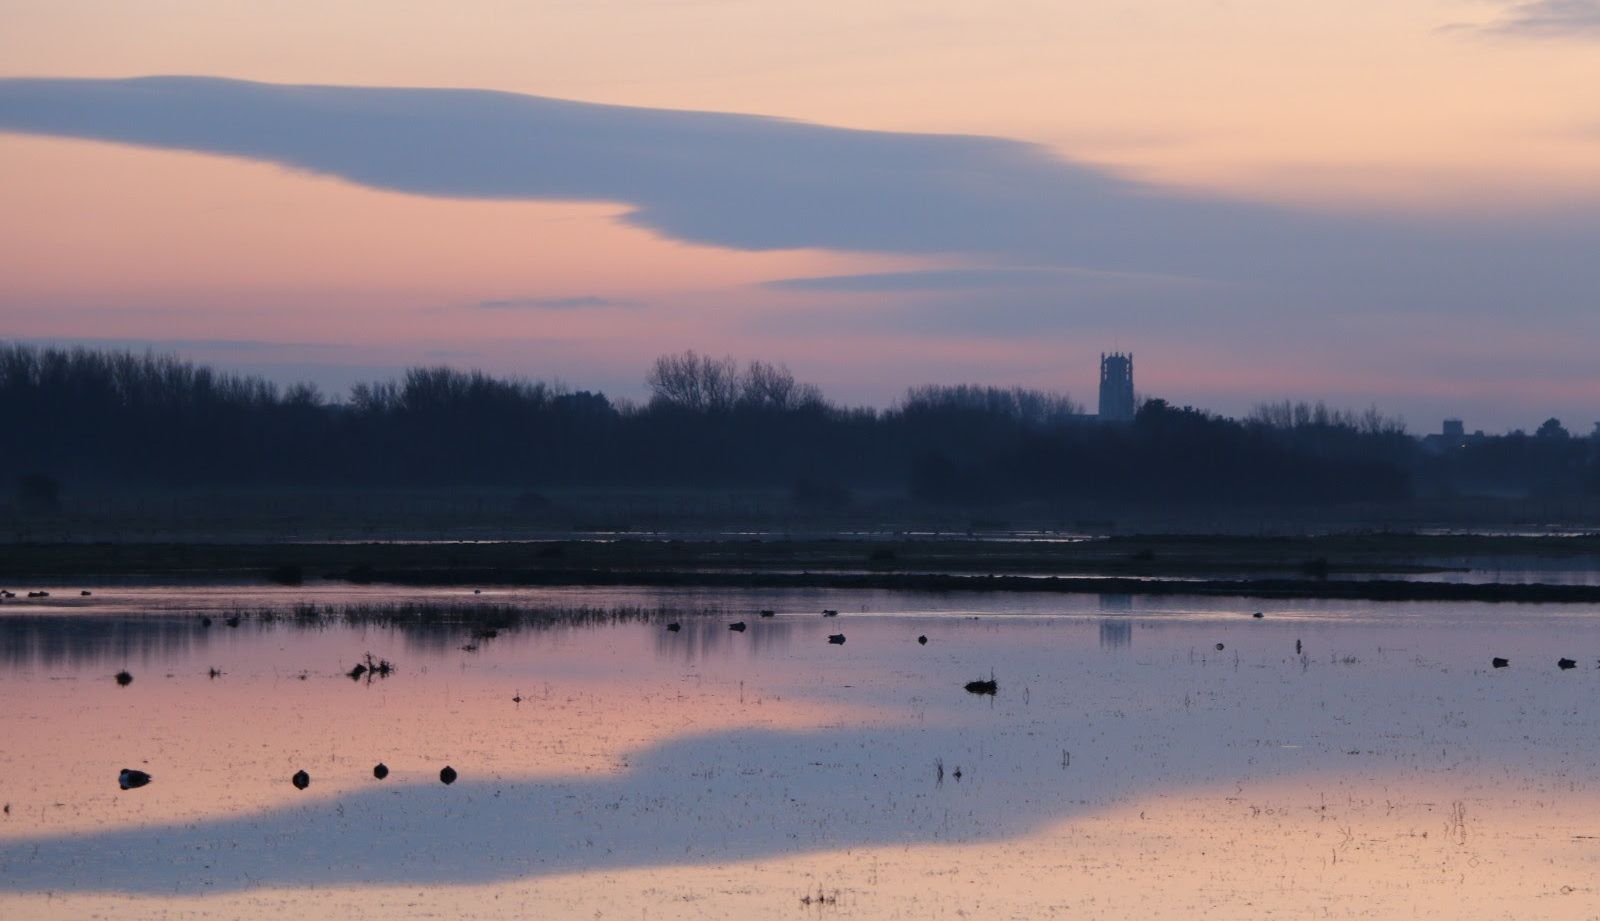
(836, 639)
(301, 780)
(380, 770)
(447, 775)
(130, 779)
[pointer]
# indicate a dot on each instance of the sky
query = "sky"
(1389, 202)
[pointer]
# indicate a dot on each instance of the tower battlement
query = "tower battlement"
(1116, 387)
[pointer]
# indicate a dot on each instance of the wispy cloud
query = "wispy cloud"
(182, 345)
(553, 303)
(1549, 19)
(969, 279)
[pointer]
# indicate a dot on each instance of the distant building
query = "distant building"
(1116, 387)
(1452, 436)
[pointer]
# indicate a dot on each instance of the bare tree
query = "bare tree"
(690, 380)
(773, 387)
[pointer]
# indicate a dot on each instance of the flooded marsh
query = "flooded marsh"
(1125, 766)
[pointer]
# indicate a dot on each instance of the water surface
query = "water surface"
(1126, 768)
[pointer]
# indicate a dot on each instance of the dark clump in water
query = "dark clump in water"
(674, 628)
(1220, 647)
(205, 621)
(380, 770)
(737, 628)
(836, 639)
(1258, 615)
(830, 612)
(1498, 662)
(768, 613)
(1565, 664)
(124, 678)
(922, 640)
(983, 686)
(232, 621)
(215, 673)
(371, 668)
(301, 780)
(131, 779)
(447, 776)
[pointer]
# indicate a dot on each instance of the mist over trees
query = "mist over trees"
(118, 419)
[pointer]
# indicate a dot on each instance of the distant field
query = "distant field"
(274, 515)
(1369, 566)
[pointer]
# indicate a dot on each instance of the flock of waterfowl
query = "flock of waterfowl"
(837, 639)
(132, 779)
(834, 639)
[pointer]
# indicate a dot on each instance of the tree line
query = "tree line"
(100, 418)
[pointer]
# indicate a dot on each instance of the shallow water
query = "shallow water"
(1126, 768)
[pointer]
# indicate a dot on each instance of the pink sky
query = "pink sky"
(1471, 130)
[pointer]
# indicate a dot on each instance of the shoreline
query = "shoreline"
(1362, 567)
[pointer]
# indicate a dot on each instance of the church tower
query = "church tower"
(1116, 387)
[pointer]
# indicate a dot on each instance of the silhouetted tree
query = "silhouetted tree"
(119, 418)
(38, 493)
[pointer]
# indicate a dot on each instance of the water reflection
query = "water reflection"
(1115, 601)
(1116, 634)
(613, 755)
(54, 641)
(702, 637)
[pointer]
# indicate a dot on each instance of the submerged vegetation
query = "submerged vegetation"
(479, 620)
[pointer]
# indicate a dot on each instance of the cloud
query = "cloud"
(1550, 19)
(754, 183)
(553, 303)
(178, 345)
(738, 181)
(971, 279)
